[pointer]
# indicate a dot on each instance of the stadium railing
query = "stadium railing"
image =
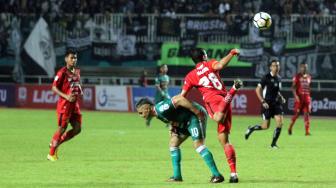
(249, 83)
(107, 27)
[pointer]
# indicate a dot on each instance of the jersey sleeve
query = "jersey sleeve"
(164, 109)
(58, 79)
(295, 80)
(262, 82)
(210, 64)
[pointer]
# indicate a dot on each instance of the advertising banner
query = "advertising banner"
(41, 96)
(36, 96)
(7, 95)
(170, 54)
(112, 98)
(323, 103)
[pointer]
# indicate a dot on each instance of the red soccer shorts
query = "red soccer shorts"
(215, 104)
(64, 118)
(303, 105)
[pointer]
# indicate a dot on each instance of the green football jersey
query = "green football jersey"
(167, 112)
(161, 80)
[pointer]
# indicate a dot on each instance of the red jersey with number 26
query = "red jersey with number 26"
(205, 79)
(68, 83)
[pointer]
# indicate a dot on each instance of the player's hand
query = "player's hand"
(200, 115)
(234, 51)
(297, 99)
(71, 98)
(283, 100)
(265, 105)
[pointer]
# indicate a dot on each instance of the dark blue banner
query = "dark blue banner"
(149, 92)
(7, 95)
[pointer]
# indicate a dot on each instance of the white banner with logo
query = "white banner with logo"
(39, 46)
(111, 98)
(126, 45)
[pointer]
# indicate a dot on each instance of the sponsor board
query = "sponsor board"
(7, 95)
(41, 96)
(112, 98)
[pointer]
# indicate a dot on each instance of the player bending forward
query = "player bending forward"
(301, 92)
(187, 119)
(205, 77)
(67, 85)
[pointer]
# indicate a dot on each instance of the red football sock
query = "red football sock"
(307, 123)
(231, 157)
(296, 115)
(55, 142)
(227, 100)
(67, 136)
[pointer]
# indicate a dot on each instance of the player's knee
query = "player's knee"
(218, 117)
(200, 148)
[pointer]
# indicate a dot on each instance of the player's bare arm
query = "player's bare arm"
(283, 100)
(70, 98)
(184, 93)
(294, 91)
(225, 61)
(180, 101)
(261, 99)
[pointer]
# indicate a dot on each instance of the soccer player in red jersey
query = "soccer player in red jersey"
(67, 85)
(205, 77)
(301, 92)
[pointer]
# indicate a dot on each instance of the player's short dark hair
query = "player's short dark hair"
(198, 55)
(143, 101)
(70, 51)
(273, 61)
(303, 63)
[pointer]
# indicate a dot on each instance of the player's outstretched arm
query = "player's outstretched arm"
(225, 60)
(180, 101)
(283, 100)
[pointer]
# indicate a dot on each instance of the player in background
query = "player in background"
(205, 77)
(187, 119)
(301, 92)
(67, 85)
(161, 85)
(268, 92)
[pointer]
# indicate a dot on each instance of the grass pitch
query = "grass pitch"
(117, 150)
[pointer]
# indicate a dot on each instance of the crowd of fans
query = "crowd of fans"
(58, 7)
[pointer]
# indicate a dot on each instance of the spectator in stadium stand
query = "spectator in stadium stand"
(143, 79)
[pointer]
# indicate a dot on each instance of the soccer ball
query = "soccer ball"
(262, 20)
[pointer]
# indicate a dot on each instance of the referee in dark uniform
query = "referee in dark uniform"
(268, 92)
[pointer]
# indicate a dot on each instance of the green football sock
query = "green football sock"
(208, 158)
(175, 154)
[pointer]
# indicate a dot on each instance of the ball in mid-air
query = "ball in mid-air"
(262, 20)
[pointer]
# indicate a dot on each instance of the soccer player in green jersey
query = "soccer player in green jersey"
(187, 119)
(161, 84)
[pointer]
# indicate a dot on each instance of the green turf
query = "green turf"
(117, 150)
